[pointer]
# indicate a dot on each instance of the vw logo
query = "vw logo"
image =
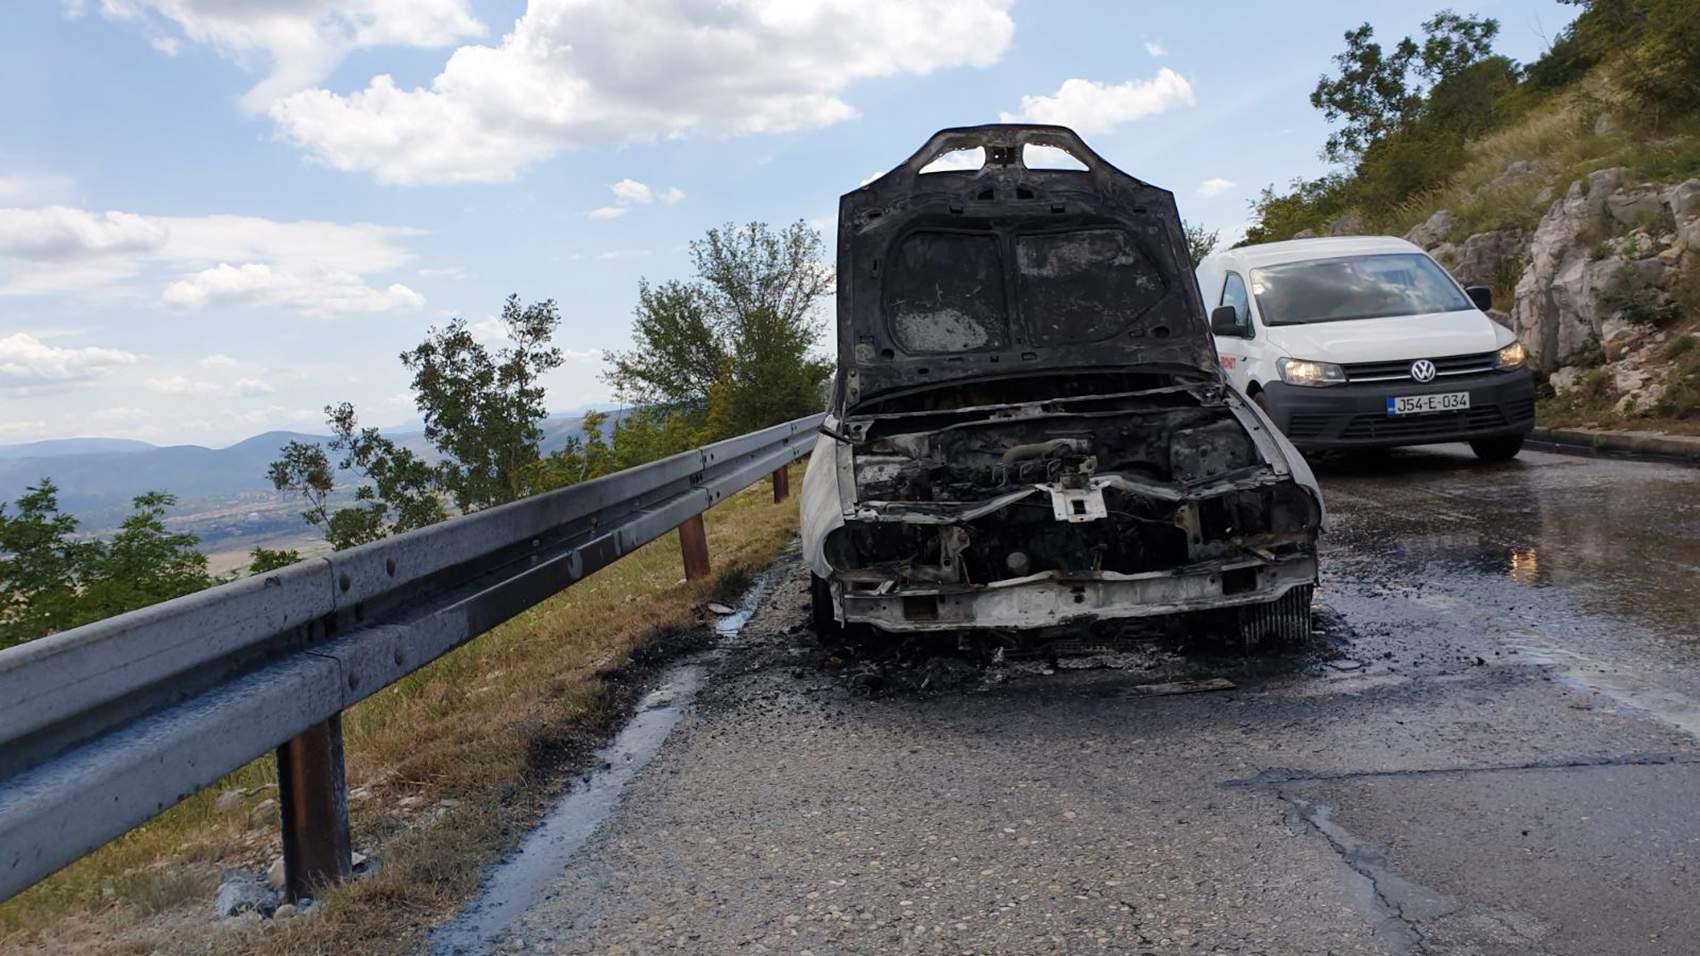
(1422, 370)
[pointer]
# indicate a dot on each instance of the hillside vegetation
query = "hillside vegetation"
(1570, 185)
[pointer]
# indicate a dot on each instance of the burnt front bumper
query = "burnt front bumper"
(1046, 600)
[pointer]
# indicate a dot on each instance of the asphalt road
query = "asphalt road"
(1493, 751)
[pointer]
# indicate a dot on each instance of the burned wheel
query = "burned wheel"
(1283, 622)
(826, 626)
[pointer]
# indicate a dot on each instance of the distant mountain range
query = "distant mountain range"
(97, 477)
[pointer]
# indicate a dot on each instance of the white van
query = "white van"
(1366, 342)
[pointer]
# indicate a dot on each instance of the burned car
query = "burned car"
(1028, 429)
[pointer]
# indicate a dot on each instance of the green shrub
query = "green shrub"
(1635, 301)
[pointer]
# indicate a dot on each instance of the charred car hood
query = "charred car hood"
(1005, 270)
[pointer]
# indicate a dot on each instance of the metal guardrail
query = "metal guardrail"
(105, 726)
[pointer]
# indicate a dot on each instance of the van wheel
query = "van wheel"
(1283, 622)
(826, 626)
(1497, 449)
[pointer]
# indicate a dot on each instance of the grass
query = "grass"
(445, 770)
(1559, 135)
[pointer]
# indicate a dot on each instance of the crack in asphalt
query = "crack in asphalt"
(1274, 777)
(1395, 896)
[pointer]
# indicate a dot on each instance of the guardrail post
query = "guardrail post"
(781, 484)
(693, 544)
(314, 798)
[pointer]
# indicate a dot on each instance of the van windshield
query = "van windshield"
(1354, 287)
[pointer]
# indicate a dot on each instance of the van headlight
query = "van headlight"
(1511, 357)
(1301, 372)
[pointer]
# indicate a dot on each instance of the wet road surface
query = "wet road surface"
(1494, 750)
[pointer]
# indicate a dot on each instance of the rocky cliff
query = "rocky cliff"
(1602, 290)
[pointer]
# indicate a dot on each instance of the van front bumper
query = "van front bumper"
(1502, 405)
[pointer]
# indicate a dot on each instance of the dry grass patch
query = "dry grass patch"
(445, 769)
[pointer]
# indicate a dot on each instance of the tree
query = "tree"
(1198, 242)
(143, 563)
(482, 411)
(583, 456)
(41, 563)
(51, 580)
(304, 468)
(730, 350)
(1378, 93)
(396, 492)
(262, 560)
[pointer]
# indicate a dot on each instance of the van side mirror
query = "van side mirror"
(1481, 295)
(1225, 320)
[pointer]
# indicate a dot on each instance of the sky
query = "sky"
(217, 216)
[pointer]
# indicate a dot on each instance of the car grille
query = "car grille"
(1301, 427)
(1437, 426)
(1401, 369)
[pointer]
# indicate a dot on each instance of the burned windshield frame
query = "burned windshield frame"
(1301, 293)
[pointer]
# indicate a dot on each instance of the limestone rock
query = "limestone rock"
(243, 892)
(1347, 224)
(1683, 203)
(1639, 387)
(227, 801)
(1448, 255)
(1634, 206)
(1487, 258)
(1434, 230)
(1514, 171)
(1556, 308)
(275, 875)
(264, 814)
(1564, 379)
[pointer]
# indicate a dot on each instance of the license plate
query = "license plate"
(1426, 404)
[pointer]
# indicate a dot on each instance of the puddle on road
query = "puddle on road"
(521, 880)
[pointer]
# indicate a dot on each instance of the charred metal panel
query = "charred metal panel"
(1006, 270)
(944, 293)
(1086, 285)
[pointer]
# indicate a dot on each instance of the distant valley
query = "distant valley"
(223, 494)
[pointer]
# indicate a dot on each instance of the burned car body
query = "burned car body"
(1028, 427)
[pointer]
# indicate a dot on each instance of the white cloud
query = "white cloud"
(446, 272)
(23, 429)
(219, 360)
(956, 159)
(1092, 107)
(259, 284)
(630, 192)
(488, 330)
(307, 265)
(25, 361)
(184, 385)
(179, 385)
(57, 232)
(1214, 186)
(574, 74)
(34, 188)
(1155, 49)
(296, 42)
